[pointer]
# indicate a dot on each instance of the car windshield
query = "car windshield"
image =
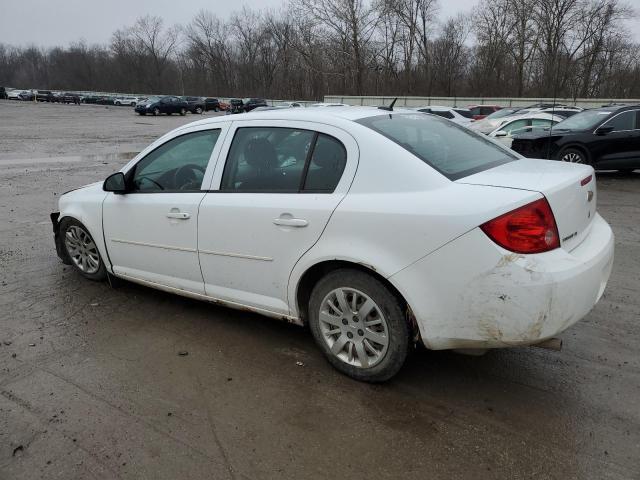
(584, 120)
(451, 149)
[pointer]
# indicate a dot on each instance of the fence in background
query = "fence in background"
(464, 101)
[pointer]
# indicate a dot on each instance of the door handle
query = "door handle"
(290, 222)
(178, 215)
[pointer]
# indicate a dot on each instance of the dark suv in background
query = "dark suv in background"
(251, 103)
(195, 104)
(607, 138)
(211, 104)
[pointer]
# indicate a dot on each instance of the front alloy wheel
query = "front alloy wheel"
(82, 250)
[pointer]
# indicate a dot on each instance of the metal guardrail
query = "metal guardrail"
(465, 101)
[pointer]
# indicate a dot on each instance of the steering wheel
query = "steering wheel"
(139, 181)
(185, 176)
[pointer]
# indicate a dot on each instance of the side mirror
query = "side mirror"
(115, 183)
(604, 130)
(501, 133)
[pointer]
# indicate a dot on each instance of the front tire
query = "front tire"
(199, 111)
(359, 325)
(82, 250)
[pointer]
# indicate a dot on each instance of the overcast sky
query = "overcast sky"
(58, 23)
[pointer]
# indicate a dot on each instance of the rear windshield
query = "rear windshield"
(452, 150)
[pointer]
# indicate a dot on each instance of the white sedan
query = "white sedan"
(523, 124)
(375, 228)
(461, 116)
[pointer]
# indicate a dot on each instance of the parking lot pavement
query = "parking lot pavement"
(92, 384)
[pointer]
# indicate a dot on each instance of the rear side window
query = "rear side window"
(464, 112)
(285, 160)
(452, 150)
(443, 113)
(623, 121)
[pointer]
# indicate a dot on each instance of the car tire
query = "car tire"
(118, 104)
(370, 345)
(81, 249)
(216, 109)
(132, 104)
(573, 155)
(141, 114)
(156, 112)
(199, 110)
(183, 111)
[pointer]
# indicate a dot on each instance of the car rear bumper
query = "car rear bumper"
(473, 294)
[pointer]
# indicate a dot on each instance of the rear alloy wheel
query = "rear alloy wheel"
(573, 155)
(82, 250)
(156, 111)
(183, 111)
(199, 111)
(359, 325)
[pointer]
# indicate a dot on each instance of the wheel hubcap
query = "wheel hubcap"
(82, 250)
(353, 327)
(572, 157)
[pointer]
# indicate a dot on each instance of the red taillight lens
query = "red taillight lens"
(528, 229)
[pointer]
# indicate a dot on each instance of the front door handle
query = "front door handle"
(178, 215)
(290, 222)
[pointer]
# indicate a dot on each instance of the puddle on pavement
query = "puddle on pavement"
(107, 158)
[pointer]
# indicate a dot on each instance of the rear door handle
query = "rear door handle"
(178, 215)
(290, 222)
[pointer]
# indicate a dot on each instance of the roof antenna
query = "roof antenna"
(390, 107)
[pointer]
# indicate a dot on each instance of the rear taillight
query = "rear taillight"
(528, 229)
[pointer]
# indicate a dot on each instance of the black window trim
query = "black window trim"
(305, 170)
(128, 177)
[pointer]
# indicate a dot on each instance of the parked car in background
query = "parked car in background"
(158, 105)
(251, 103)
(27, 95)
(522, 124)
(487, 249)
(89, 99)
(211, 104)
(45, 96)
(235, 106)
(606, 138)
(69, 97)
(195, 104)
(126, 100)
(490, 122)
(105, 100)
(14, 93)
(461, 116)
(289, 104)
(325, 104)
(481, 111)
(3, 93)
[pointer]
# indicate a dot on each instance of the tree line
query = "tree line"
(311, 48)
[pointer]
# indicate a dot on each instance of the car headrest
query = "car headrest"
(260, 153)
(328, 153)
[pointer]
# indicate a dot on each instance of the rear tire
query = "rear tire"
(183, 112)
(82, 250)
(573, 155)
(199, 111)
(156, 112)
(359, 325)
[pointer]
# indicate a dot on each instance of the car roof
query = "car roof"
(308, 114)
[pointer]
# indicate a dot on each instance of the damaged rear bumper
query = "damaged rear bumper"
(493, 298)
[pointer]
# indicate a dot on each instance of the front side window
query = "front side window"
(624, 121)
(177, 165)
(452, 150)
(515, 125)
(275, 159)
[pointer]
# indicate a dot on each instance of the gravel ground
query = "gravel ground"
(92, 386)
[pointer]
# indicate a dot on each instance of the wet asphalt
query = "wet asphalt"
(92, 383)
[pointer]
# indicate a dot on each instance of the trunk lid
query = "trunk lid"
(572, 198)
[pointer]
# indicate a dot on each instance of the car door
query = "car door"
(617, 148)
(270, 202)
(151, 231)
